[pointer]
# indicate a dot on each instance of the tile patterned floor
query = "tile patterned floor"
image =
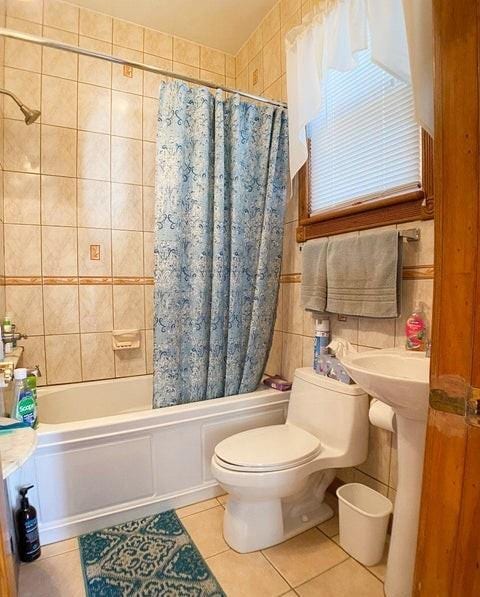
(308, 565)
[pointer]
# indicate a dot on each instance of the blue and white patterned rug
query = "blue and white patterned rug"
(150, 557)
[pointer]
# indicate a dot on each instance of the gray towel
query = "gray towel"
(314, 275)
(364, 275)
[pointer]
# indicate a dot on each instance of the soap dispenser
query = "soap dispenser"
(27, 528)
(416, 330)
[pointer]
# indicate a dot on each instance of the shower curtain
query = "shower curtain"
(221, 175)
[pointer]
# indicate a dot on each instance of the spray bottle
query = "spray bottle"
(320, 348)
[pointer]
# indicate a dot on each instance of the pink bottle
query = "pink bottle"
(416, 330)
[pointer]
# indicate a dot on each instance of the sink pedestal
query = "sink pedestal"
(401, 556)
(400, 378)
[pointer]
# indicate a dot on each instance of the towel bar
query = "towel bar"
(410, 235)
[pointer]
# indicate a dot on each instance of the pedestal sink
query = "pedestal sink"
(400, 379)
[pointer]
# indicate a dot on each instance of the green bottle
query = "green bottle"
(24, 404)
(32, 385)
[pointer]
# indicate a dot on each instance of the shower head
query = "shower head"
(30, 115)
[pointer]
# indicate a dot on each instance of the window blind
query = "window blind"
(365, 143)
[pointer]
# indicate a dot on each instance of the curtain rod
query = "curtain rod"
(57, 45)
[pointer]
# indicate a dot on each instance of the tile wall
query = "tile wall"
(2, 81)
(78, 210)
(80, 182)
(261, 70)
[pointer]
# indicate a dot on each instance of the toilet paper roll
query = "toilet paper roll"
(381, 415)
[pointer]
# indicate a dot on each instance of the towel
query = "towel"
(364, 275)
(14, 425)
(10, 427)
(314, 275)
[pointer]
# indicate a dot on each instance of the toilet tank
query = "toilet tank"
(335, 412)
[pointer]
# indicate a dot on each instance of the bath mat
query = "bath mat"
(150, 557)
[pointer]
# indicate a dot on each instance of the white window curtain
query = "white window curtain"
(400, 33)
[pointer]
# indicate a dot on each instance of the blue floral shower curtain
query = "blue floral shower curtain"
(221, 176)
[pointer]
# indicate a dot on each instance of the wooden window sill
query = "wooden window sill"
(384, 211)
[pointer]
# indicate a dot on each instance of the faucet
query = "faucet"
(12, 337)
(34, 371)
(428, 349)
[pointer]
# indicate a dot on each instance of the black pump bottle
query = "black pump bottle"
(27, 529)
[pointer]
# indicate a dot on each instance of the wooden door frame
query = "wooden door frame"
(8, 567)
(448, 553)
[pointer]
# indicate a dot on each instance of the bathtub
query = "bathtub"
(104, 456)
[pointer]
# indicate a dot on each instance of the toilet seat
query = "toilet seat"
(264, 449)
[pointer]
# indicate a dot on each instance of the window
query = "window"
(368, 157)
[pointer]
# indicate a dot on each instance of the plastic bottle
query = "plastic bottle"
(32, 385)
(320, 347)
(416, 330)
(7, 323)
(337, 371)
(7, 328)
(24, 407)
(27, 529)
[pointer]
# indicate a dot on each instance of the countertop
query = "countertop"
(15, 447)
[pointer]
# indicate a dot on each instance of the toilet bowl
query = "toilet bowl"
(276, 476)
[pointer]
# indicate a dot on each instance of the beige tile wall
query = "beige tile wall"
(82, 176)
(261, 69)
(2, 84)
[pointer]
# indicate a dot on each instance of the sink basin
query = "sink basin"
(400, 379)
(397, 377)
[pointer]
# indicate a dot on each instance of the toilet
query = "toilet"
(276, 476)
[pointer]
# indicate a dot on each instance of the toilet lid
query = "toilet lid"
(273, 448)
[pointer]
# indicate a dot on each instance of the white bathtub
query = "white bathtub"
(104, 456)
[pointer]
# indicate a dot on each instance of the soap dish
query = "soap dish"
(125, 339)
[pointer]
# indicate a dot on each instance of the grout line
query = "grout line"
(141, 209)
(213, 555)
(80, 356)
(373, 478)
(263, 554)
(327, 570)
(195, 513)
(41, 213)
(371, 572)
(23, 565)
(114, 356)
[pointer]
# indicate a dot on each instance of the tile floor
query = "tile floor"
(311, 564)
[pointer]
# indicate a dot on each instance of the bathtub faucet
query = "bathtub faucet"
(9, 340)
(34, 371)
(13, 337)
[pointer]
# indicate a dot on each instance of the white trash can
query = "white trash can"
(363, 514)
